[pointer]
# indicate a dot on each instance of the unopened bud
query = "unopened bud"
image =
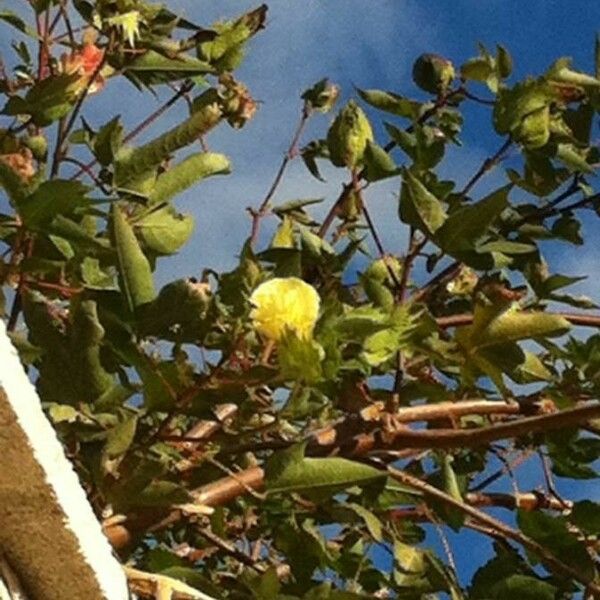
(433, 73)
(348, 136)
(321, 96)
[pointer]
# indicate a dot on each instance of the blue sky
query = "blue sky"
(367, 43)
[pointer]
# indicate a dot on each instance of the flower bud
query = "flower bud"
(348, 136)
(237, 104)
(321, 96)
(382, 269)
(433, 73)
(38, 145)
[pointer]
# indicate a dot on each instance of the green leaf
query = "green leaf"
(134, 269)
(553, 533)
(383, 345)
(108, 141)
(477, 69)
(373, 524)
(62, 413)
(573, 159)
(378, 163)
(226, 51)
(165, 231)
(429, 210)
(152, 67)
(392, 103)
(561, 71)
(523, 112)
(15, 21)
(79, 237)
(300, 359)
(47, 101)
(161, 493)
(96, 277)
(532, 370)
(504, 62)
(468, 224)
(289, 470)
(121, 437)
(52, 198)
(505, 247)
(133, 163)
(185, 174)
(522, 587)
(87, 336)
(284, 236)
(586, 516)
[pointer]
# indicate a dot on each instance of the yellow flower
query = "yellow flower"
(284, 304)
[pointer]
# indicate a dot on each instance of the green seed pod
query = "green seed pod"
(433, 73)
(38, 145)
(348, 136)
(380, 269)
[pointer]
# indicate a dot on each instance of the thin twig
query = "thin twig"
(487, 165)
(230, 549)
(549, 559)
(371, 225)
(442, 277)
(185, 88)
(291, 152)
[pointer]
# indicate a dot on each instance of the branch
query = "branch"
(439, 103)
(291, 152)
(579, 319)
(184, 89)
(528, 543)
(487, 165)
(228, 488)
(442, 277)
(472, 438)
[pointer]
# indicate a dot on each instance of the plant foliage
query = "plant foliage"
(320, 465)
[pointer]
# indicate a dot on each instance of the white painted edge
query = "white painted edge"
(59, 473)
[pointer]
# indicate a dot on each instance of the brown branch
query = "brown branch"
(291, 153)
(230, 549)
(472, 438)
(442, 277)
(203, 430)
(65, 126)
(184, 89)
(487, 165)
(228, 488)
(453, 410)
(549, 559)
(579, 319)
(335, 209)
(527, 501)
